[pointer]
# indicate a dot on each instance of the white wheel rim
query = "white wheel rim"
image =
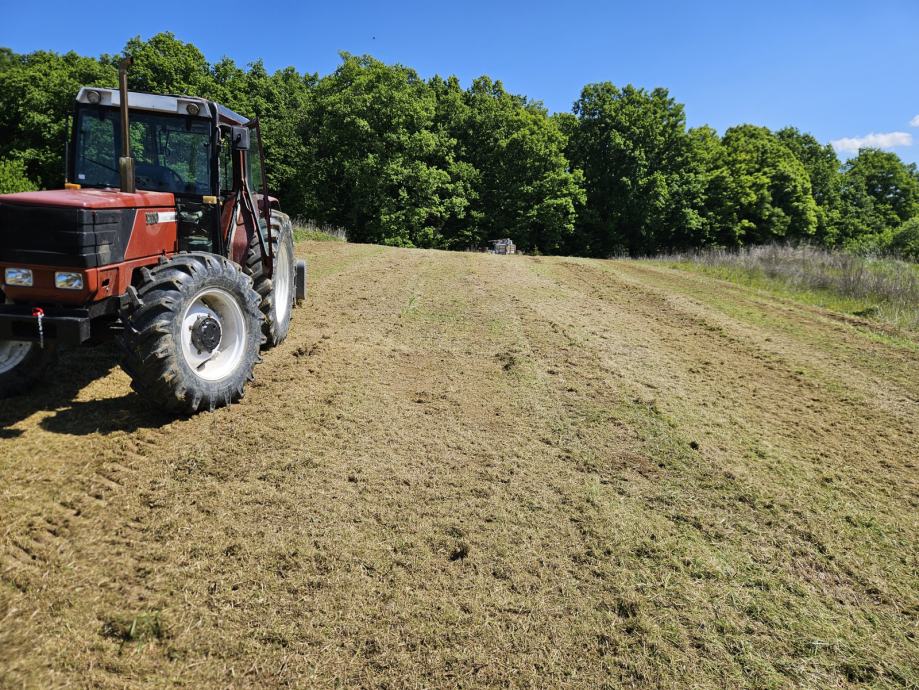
(281, 283)
(223, 360)
(13, 353)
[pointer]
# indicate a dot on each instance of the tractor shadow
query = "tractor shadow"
(57, 393)
(127, 413)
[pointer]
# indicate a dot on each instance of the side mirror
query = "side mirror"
(241, 138)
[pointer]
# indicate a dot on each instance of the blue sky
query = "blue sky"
(840, 70)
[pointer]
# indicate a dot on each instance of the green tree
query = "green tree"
(714, 184)
(279, 101)
(823, 171)
(36, 97)
(766, 195)
(642, 191)
(374, 162)
(879, 192)
(521, 183)
(164, 64)
(463, 228)
(13, 177)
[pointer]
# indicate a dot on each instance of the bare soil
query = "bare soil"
(475, 470)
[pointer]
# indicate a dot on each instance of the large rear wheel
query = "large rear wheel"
(192, 338)
(22, 364)
(277, 293)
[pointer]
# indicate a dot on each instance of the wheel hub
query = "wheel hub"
(206, 334)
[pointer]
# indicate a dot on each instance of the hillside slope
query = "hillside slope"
(473, 469)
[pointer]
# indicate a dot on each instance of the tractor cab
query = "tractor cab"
(204, 154)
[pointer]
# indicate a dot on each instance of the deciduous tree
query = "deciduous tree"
(879, 193)
(767, 196)
(635, 154)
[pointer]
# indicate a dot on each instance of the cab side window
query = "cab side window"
(96, 161)
(255, 161)
(225, 163)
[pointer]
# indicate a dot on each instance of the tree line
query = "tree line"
(400, 160)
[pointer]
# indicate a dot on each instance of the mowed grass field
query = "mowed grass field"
(473, 470)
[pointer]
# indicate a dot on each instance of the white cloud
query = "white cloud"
(878, 141)
(914, 122)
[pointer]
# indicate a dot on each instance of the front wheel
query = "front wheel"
(193, 337)
(22, 364)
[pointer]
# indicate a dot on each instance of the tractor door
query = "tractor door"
(197, 212)
(228, 193)
(258, 183)
(258, 188)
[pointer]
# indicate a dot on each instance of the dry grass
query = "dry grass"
(473, 470)
(883, 289)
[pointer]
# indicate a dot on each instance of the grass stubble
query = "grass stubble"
(477, 470)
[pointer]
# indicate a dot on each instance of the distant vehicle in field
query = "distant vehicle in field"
(505, 246)
(164, 236)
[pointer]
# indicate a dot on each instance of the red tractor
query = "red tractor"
(174, 247)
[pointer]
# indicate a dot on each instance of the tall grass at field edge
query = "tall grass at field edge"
(308, 230)
(876, 288)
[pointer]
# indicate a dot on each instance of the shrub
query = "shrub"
(13, 177)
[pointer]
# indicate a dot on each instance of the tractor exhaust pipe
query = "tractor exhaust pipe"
(125, 163)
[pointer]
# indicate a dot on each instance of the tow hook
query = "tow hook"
(39, 313)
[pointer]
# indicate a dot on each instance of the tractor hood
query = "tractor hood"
(90, 199)
(82, 228)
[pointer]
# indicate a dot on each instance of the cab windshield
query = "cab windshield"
(172, 153)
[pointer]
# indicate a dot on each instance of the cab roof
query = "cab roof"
(178, 105)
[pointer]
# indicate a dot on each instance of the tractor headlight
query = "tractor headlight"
(93, 97)
(192, 109)
(18, 276)
(68, 281)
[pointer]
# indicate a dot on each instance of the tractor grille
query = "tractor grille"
(54, 236)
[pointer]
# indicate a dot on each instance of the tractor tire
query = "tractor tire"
(192, 332)
(278, 292)
(22, 364)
